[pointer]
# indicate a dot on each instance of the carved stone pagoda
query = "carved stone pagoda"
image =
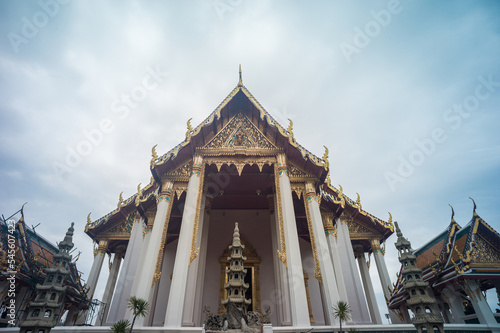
(44, 311)
(236, 286)
(427, 317)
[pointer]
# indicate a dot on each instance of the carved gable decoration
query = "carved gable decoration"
(295, 171)
(181, 171)
(484, 252)
(240, 132)
(122, 229)
(357, 230)
(297, 174)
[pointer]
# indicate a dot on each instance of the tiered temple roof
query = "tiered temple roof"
(273, 138)
(457, 254)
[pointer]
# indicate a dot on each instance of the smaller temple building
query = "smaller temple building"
(460, 265)
(25, 257)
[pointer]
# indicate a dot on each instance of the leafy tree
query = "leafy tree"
(121, 326)
(139, 307)
(342, 312)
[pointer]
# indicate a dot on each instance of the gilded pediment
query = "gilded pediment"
(358, 230)
(121, 230)
(183, 170)
(240, 132)
(484, 252)
(297, 174)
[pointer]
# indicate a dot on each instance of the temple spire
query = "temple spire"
(240, 82)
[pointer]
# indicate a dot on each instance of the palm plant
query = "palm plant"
(342, 312)
(120, 326)
(139, 307)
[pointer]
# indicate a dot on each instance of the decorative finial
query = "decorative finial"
(341, 191)
(290, 126)
(88, 219)
(452, 213)
(325, 157)
(139, 194)
(289, 130)
(475, 214)
(390, 219)
(120, 200)
(153, 154)
(358, 200)
(189, 127)
(240, 82)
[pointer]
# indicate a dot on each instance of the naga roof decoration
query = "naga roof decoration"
(327, 192)
(471, 252)
(141, 196)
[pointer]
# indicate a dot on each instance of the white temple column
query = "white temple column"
(146, 234)
(93, 279)
(123, 289)
(188, 314)
(162, 288)
(95, 271)
(331, 239)
(324, 273)
(186, 248)
(200, 284)
(110, 284)
(151, 266)
(368, 287)
(481, 307)
(296, 285)
(384, 278)
(281, 296)
(352, 280)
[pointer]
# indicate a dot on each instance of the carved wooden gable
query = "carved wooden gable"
(358, 230)
(121, 230)
(240, 132)
(484, 252)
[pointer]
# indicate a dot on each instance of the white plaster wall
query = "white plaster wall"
(314, 291)
(257, 230)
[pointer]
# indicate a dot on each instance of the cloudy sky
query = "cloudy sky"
(404, 94)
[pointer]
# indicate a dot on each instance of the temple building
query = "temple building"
(27, 262)
(460, 265)
(306, 243)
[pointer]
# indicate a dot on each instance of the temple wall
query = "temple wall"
(257, 230)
